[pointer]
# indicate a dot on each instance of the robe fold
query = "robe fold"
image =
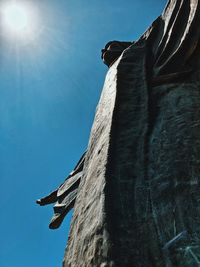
(138, 202)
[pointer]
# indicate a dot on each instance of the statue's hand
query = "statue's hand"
(51, 198)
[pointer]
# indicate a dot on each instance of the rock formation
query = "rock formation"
(138, 201)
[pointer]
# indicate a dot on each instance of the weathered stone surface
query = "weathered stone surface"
(91, 246)
(69, 183)
(138, 202)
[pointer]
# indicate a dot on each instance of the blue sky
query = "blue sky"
(49, 90)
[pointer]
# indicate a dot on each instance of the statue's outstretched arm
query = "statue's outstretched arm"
(64, 195)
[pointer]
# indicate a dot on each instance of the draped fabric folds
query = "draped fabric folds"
(174, 38)
(138, 201)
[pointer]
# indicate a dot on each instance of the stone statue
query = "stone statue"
(138, 197)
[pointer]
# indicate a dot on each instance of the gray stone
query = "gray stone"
(140, 187)
(138, 202)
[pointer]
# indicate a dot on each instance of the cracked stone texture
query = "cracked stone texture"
(138, 202)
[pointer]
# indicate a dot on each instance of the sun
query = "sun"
(18, 19)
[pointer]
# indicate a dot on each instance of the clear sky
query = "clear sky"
(50, 83)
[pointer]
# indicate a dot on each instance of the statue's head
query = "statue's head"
(113, 50)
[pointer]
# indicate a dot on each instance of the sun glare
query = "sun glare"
(18, 19)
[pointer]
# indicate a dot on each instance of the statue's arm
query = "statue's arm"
(53, 196)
